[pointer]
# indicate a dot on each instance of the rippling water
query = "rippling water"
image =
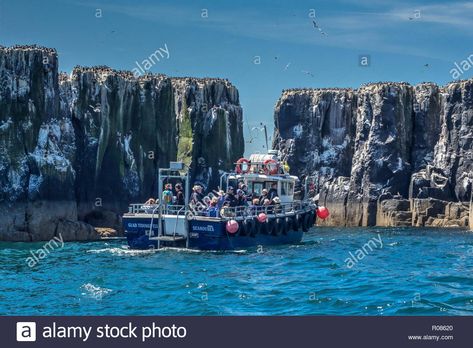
(416, 272)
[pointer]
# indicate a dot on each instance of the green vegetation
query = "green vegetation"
(184, 147)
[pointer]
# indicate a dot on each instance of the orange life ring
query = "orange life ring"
(266, 165)
(239, 166)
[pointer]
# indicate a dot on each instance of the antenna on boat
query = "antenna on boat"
(265, 136)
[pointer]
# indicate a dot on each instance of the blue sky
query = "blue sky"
(226, 42)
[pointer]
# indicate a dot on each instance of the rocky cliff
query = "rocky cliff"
(385, 154)
(78, 148)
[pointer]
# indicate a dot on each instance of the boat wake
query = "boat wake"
(122, 251)
(126, 251)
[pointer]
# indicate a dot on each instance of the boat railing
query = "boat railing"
(253, 211)
(224, 212)
(142, 208)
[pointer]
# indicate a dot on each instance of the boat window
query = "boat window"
(256, 188)
(283, 188)
(290, 191)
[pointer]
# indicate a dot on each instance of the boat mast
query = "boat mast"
(266, 137)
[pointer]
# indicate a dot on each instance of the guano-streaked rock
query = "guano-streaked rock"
(403, 143)
(82, 146)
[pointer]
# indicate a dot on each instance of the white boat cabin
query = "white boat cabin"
(260, 172)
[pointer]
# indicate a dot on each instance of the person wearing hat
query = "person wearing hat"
(277, 205)
(264, 195)
(248, 195)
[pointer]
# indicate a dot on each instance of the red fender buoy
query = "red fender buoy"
(262, 217)
(323, 213)
(232, 226)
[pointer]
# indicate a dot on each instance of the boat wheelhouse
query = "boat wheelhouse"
(283, 221)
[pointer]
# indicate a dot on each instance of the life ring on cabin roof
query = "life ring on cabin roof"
(242, 166)
(267, 167)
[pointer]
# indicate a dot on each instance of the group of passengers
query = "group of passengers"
(235, 202)
(211, 205)
(174, 198)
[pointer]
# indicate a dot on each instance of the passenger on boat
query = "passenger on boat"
(241, 199)
(150, 206)
(230, 199)
(220, 199)
(197, 196)
(167, 194)
(255, 207)
(264, 195)
(249, 196)
(267, 207)
(207, 201)
(273, 191)
(150, 201)
(180, 200)
(277, 205)
(212, 210)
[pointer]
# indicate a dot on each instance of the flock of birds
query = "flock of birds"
(322, 32)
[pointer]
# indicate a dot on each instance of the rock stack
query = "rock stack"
(386, 154)
(77, 149)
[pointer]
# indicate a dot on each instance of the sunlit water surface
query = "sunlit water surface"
(415, 272)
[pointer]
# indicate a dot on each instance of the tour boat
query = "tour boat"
(235, 228)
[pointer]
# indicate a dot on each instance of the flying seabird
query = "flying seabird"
(307, 73)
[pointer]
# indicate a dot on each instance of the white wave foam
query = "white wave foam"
(122, 251)
(96, 292)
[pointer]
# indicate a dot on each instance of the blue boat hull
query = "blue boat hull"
(206, 234)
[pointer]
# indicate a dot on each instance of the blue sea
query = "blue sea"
(414, 272)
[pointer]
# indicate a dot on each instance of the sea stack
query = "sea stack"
(77, 148)
(386, 154)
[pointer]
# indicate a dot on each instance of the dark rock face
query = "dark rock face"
(209, 126)
(81, 147)
(402, 142)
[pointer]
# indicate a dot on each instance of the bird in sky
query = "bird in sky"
(287, 66)
(316, 26)
(307, 73)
